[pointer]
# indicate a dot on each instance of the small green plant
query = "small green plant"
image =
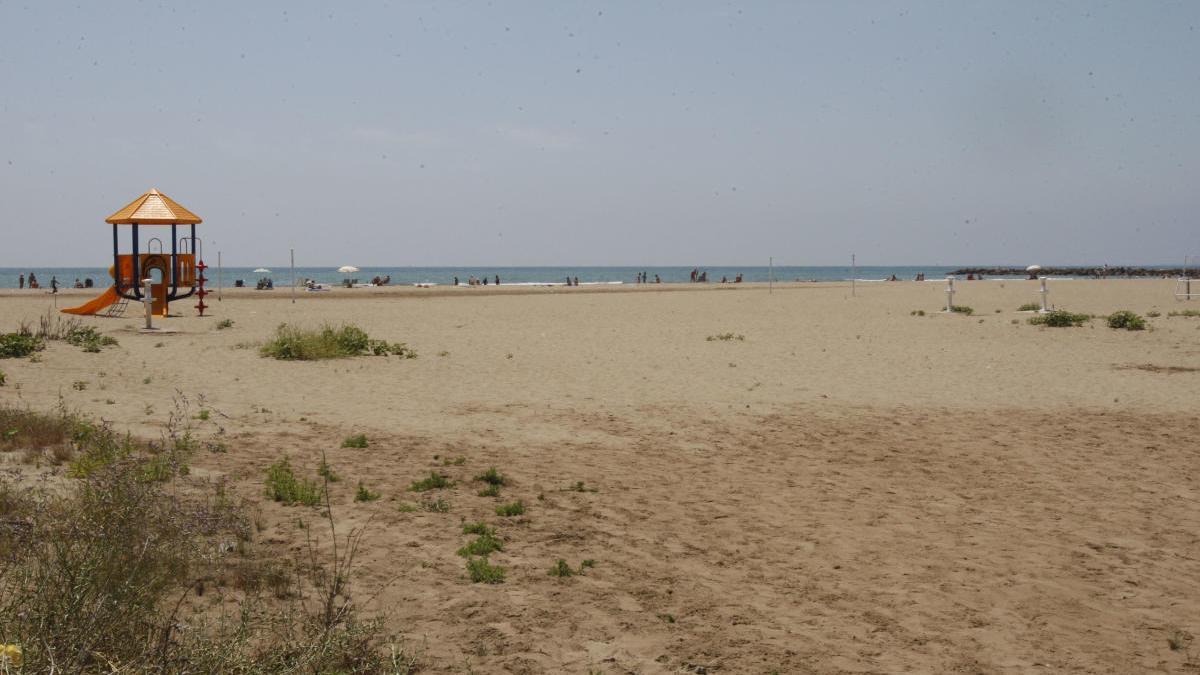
(282, 485)
(79, 385)
(87, 338)
(435, 481)
(457, 461)
(1187, 313)
(491, 477)
(669, 618)
(490, 491)
(204, 415)
(917, 312)
(511, 509)
(480, 528)
(578, 486)
(438, 505)
(725, 337)
(1059, 318)
(362, 494)
(962, 309)
(146, 380)
(407, 507)
(482, 572)
(1127, 320)
(328, 342)
(355, 441)
(325, 471)
(1029, 307)
(481, 545)
(224, 323)
(586, 565)
(561, 569)
(1179, 639)
(16, 345)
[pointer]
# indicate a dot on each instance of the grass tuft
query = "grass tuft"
(282, 485)
(291, 343)
(435, 481)
(1059, 318)
(362, 494)
(355, 441)
(511, 509)
(1127, 320)
(482, 572)
(482, 545)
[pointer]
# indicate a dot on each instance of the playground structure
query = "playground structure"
(1183, 285)
(173, 275)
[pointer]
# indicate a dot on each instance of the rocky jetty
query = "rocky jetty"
(1097, 272)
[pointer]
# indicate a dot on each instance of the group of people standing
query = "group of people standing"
(34, 284)
(642, 278)
(482, 281)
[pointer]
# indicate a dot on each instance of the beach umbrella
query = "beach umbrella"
(262, 270)
(1033, 268)
(347, 269)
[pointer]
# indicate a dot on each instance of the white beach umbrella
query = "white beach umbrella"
(347, 269)
(1033, 268)
(262, 270)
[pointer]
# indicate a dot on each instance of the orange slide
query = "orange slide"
(95, 305)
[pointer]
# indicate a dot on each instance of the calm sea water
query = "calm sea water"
(508, 275)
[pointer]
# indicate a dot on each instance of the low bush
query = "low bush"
(962, 309)
(561, 569)
(436, 481)
(1127, 320)
(725, 337)
(478, 528)
(1059, 318)
(482, 545)
(1029, 307)
(511, 509)
(17, 345)
(482, 572)
(291, 343)
(87, 338)
(362, 494)
(282, 485)
(224, 323)
(356, 441)
(491, 477)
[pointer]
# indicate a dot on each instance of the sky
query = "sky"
(608, 133)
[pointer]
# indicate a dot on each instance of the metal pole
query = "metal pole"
(147, 301)
(853, 273)
(219, 283)
(949, 294)
(1045, 292)
(771, 275)
(293, 275)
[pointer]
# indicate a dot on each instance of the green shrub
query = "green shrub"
(482, 545)
(325, 471)
(362, 494)
(17, 345)
(491, 477)
(561, 569)
(291, 343)
(1029, 307)
(478, 528)
(204, 415)
(224, 323)
(436, 505)
(725, 337)
(481, 571)
(511, 509)
(87, 338)
(356, 441)
(436, 481)
(1127, 320)
(1059, 318)
(962, 309)
(490, 491)
(282, 485)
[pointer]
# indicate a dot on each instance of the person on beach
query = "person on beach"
(497, 279)
(694, 273)
(88, 283)
(33, 282)
(657, 280)
(21, 281)
(78, 283)
(724, 280)
(576, 281)
(53, 284)
(455, 281)
(738, 278)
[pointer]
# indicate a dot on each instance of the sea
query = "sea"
(509, 276)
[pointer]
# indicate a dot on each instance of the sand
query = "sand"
(849, 488)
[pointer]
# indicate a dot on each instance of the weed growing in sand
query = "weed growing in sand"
(443, 353)
(482, 545)
(725, 337)
(578, 486)
(204, 415)
(511, 509)
(917, 312)
(1153, 314)
(16, 345)
(480, 528)
(3, 377)
(146, 380)
(298, 344)
(1029, 307)
(492, 477)
(224, 323)
(282, 485)
(1059, 318)
(325, 471)
(436, 505)
(79, 385)
(1127, 320)
(362, 494)
(669, 618)
(490, 491)
(1187, 313)
(586, 565)
(457, 461)
(436, 481)
(1179, 639)
(356, 441)
(87, 338)
(962, 309)
(482, 572)
(407, 507)
(561, 569)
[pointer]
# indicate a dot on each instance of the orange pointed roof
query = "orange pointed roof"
(153, 208)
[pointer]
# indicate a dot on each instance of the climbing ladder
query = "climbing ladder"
(115, 310)
(1183, 286)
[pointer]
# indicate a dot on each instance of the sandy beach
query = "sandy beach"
(842, 486)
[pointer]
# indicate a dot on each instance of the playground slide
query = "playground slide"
(95, 305)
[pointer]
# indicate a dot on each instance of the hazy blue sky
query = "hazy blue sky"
(608, 133)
